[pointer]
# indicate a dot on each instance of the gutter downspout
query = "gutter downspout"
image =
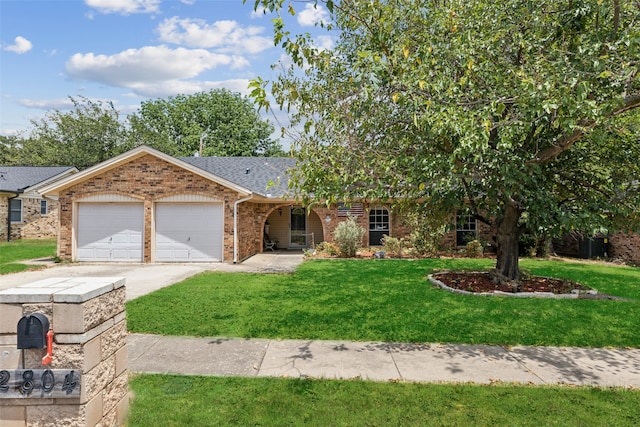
(15, 195)
(235, 226)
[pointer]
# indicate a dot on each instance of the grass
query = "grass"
(207, 401)
(383, 300)
(390, 300)
(19, 250)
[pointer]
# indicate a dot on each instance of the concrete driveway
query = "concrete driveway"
(145, 278)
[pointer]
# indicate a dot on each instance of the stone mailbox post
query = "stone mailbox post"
(82, 378)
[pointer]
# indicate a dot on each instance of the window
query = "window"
(379, 219)
(466, 229)
(15, 210)
(43, 207)
(378, 225)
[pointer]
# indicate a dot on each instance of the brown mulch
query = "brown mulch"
(479, 282)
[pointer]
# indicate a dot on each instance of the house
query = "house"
(147, 206)
(24, 213)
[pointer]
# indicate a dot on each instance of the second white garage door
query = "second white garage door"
(187, 232)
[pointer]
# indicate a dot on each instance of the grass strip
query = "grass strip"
(217, 401)
(24, 249)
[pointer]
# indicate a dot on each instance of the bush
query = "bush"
(392, 246)
(474, 249)
(348, 236)
(327, 248)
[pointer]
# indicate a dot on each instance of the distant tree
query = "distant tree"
(214, 123)
(10, 150)
(88, 134)
(477, 103)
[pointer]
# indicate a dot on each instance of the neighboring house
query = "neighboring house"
(147, 206)
(24, 213)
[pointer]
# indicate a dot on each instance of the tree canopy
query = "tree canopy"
(88, 134)
(92, 131)
(513, 109)
(214, 123)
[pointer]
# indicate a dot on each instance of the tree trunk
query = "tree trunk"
(507, 266)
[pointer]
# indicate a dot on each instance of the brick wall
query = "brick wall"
(625, 246)
(148, 179)
(4, 211)
(34, 225)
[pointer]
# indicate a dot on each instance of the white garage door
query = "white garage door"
(189, 232)
(110, 231)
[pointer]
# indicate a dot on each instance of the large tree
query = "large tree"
(89, 133)
(214, 123)
(480, 104)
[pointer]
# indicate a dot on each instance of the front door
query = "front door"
(298, 233)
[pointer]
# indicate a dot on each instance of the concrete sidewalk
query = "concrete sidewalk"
(432, 363)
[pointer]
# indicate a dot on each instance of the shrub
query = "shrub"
(392, 246)
(348, 237)
(426, 242)
(474, 249)
(327, 248)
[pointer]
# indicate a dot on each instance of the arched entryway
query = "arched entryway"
(293, 227)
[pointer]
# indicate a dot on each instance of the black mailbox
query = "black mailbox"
(32, 331)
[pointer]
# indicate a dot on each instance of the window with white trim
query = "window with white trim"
(466, 229)
(15, 210)
(43, 207)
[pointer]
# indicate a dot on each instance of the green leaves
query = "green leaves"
(475, 100)
(214, 123)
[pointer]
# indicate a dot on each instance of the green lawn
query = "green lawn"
(384, 300)
(19, 250)
(391, 300)
(205, 401)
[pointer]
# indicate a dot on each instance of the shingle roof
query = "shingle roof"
(253, 173)
(17, 179)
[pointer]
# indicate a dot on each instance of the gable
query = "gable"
(145, 166)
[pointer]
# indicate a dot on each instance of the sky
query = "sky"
(129, 51)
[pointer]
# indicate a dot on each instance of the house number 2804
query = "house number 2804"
(39, 383)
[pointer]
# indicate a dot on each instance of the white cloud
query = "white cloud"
(125, 7)
(47, 104)
(258, 13)
(21, 45)
(323, 42)
(63, 104)
(311, 15)
(226, 36)
(156, 70)
(174, 87)
(150, 64)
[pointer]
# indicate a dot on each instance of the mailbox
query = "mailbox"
(32, 331)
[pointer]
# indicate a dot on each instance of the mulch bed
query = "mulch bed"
(478, 282)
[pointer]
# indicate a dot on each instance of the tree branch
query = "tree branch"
(550, 153)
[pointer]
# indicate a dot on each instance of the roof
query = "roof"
(265, 176)
(18, 179)
(230, 172)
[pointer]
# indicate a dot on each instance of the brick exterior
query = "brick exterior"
(625, 246)
(147, 179)
(33, 225)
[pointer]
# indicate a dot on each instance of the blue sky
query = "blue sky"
(128, 51)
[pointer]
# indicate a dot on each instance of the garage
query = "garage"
(188, 232)
(110, 232)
